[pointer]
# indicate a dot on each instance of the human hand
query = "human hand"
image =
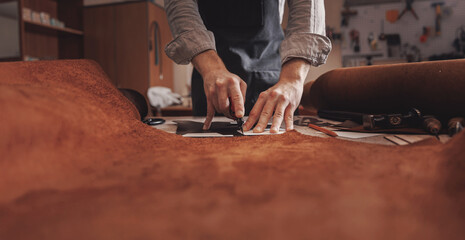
(225, 91)
(281, 100)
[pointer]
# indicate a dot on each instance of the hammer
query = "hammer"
(437, 6)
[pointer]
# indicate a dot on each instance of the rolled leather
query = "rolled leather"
(436, 88)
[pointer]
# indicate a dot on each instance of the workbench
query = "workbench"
(170, 126)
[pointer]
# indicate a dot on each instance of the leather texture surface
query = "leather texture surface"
(77, 163)
(436, 88)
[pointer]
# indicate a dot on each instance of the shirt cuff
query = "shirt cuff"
(312, 47)
(188, 44)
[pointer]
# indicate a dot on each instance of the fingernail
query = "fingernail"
(240, 114)
(257, 129)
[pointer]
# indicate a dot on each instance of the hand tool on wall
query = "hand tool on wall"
(455, 125)
(382, 36)
(331, 34)
(459, 42)
(372, 41)
(411, 52)
(425, 35)
(437, 7)
(354, 60)
(394, 45)
(346, 14)
(392, 15)
(355, 40)
(408, 8)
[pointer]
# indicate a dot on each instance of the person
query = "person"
(244, 64)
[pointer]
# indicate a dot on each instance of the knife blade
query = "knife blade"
(240, 123)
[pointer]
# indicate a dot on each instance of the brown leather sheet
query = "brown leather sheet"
(436, 88)
(76, 163)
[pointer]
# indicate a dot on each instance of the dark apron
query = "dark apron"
(248, 34)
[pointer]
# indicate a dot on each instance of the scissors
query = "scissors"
(154, 121)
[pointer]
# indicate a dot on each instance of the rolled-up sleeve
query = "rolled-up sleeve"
(305, 33)
(191, 37)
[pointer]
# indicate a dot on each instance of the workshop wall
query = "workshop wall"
(333, 19)
(370, 17)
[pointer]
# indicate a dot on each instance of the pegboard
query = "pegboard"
(369, 18)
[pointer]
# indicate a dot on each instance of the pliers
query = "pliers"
(409, 8)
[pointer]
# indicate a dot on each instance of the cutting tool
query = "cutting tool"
(240, 121)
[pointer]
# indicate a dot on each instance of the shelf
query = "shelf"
(66, 30)
(10, 59)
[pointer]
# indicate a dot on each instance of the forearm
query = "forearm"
(295, 70)
(208, 61)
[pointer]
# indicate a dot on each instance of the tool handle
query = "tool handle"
(323, 130)
(432, 125)
(455, 125)
(231, 109)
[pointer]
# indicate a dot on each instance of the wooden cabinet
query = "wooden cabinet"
(127, 40)
(36, 39)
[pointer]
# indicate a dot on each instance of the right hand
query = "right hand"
(222, 88)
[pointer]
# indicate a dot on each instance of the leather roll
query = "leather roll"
(436, 88)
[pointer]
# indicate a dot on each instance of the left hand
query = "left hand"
(281, 100)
